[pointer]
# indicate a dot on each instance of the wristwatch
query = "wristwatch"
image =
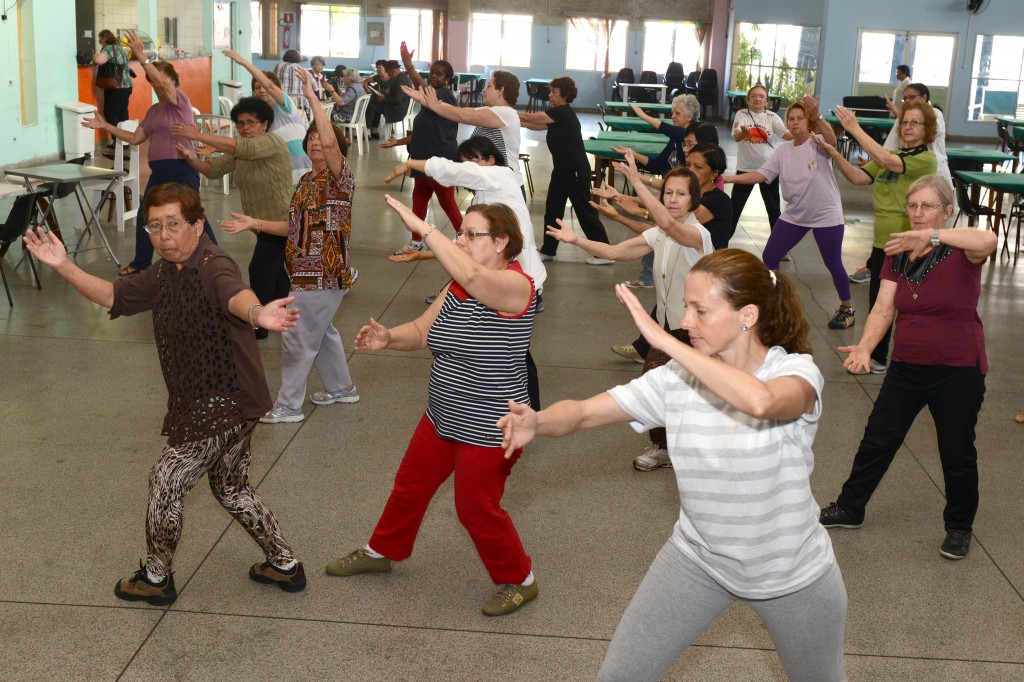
(147, 60)
(935, 237)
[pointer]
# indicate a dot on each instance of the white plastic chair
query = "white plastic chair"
(226, 105)
(358, 123)
(128, 182)
(388, 130)
(211, 124)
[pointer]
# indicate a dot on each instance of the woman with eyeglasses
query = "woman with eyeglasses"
(478, 331)
(262, 171)
(758, 132)
(890, 172)
(172, 106)
(931, 283)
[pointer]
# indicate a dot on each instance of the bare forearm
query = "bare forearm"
(97, 290)
(978, 244)
(278, 228)
(878, 323)
(407, 337)
(751, 178)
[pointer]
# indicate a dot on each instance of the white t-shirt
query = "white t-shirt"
(767, 133)
(506, 138)
(672, 263)
(808, 184)
(747, 515)
(494, 185)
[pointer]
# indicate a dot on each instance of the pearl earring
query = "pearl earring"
(497, 251)
(745, 328)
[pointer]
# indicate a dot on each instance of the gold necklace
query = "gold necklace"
(906, 264)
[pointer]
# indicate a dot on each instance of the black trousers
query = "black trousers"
(953, 396)
(769, 194)
(575, 189)
(875, 262)
(656, 358)
(267, 276)
(115, 105)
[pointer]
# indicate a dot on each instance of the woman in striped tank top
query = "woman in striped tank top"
(741, 407)
(478, 330)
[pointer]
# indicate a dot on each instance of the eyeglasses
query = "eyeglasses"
(172, 226)
(470, 236)
(757, 96)
(927, 208)
(688, 145)
(912, 124)
(245, 123)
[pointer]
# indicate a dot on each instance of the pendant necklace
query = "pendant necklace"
(913, 291)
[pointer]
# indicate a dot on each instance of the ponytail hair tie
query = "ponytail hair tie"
(775, 281)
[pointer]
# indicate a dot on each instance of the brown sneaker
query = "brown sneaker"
(358, 562)
(292, 580)
(139, 588)
(509, 598)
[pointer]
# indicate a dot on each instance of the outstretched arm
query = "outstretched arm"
(474, 117)
(522, 424)
(274, 316)
(257, 75)
(681, 233)
(854, 175)
(858, 357)
(49, 250)
(785, 397)
(631, 249)
(877, 152)
(751, 178)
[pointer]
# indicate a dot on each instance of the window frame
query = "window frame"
(976, 77)
(772, 66)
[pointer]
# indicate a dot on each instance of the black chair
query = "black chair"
(674, 79)
(538, 93)
(644, 95)
(624, 76)
(690, 84)
(18, 221)
(707, 92)
(968, 207)
(473, 95)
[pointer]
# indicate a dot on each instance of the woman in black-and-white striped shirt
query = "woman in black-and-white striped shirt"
(478, 330)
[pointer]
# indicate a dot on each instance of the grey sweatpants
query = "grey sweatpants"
(313, 340)
(677, 601)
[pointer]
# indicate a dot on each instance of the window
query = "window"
(329, 30)
(256, 19)
(414, 28)
(671, 41)
(929, 56)
(997, 78)
(595, 44)
(501, 39)
(783, 58)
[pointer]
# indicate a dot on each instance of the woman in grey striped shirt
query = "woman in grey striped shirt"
(741, 408)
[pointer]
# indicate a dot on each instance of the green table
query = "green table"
(999, 184)
(533, 88)
(1010, 121)
(654, 109)
(866, 122)
(627, 137)
(604, 155)
(979, 156)
(628, 123)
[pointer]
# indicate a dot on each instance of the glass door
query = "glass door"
(930, 57)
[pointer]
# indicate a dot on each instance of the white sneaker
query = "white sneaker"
(877, 367)
(282, 414)
(594, 260)
(860, 276)
(627, 351)
(544, 257)
(652, 458)
(411, 245)
(345, 395)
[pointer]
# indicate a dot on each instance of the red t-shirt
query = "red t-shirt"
(941, 326)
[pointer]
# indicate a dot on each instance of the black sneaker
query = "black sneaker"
(834, 516)
(139, 588)
(292, 580)
(956, 545)
(843, 319)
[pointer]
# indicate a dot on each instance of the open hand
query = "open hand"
(413, 222)
(605, 191)
(857, 360)
(239, 223)
(562, 233)
(45, 247)
(518, 427)
(604, 208)
(275, 316)
(399, 170)
(648, 326)
(97, 122)
(373, 336)
(914, 241)
(189, 132)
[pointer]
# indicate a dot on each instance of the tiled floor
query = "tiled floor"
(82, 404)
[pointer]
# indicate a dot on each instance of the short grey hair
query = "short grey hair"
(351, 73)
(689, 104)
(936, 182)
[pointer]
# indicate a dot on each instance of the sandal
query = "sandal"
(127, 271)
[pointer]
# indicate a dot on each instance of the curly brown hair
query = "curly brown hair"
(503, 223)
(175, 193)
(744, 280)
(931, 125)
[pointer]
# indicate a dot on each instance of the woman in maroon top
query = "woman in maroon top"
(932, 278)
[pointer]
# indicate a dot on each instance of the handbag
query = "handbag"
(107, 76)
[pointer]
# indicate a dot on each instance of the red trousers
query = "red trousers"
(480, 475)
(424, 188)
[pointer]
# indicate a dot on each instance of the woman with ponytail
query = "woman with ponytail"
(741, 407)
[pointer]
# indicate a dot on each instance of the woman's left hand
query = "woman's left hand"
(605, 191)
(631, 206)
(604, 208)
(275, 317)
(914, 241)
(847, 118)
(411, 220)
(138, 49)
(182, 130)
(400, 170)
(648, 326)
(307, 84)
(239, 223)
(811, 107)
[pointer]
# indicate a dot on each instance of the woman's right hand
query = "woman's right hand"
(234, 56)
(412, 222)
(604, 208)
(399, 170)
(605, 191)
(373, 336)
(97, 121)
(518, 427)
(563, 232)
(858, 359)
(631, 206)
(847, 118)
(45, 247)
(138, 49)
(239, 223)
